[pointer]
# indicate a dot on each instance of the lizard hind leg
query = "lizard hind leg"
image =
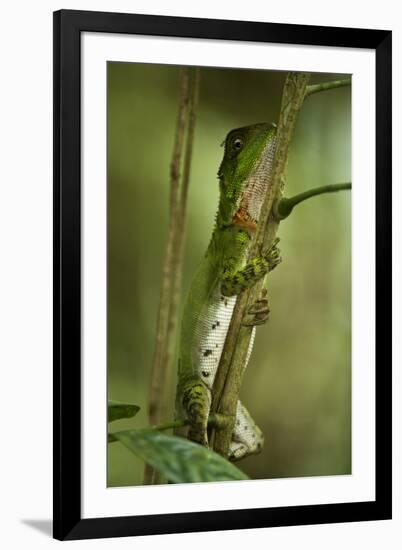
(197, 403)
(247, 437)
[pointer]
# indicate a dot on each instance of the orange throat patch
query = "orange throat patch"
(243, 219)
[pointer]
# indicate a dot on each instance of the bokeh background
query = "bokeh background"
(298, 383)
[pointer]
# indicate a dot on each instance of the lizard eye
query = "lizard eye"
(237, 144)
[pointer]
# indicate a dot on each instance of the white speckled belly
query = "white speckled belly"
(210, 333)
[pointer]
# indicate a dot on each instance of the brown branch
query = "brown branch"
(178, 249)
(284, 206)
(178, 252)
(171, 276)
(157, 375)
(324, 86)
(231, 368)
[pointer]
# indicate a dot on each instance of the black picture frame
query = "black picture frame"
(68, 26)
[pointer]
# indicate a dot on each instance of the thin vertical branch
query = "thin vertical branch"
(163, 312)
(171, 276)
(231, 368)
(178, 249)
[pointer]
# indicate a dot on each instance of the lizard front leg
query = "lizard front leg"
(255, 269)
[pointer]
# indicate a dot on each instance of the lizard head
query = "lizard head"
(244, 174)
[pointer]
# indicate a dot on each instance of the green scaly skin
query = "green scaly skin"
(222, 275)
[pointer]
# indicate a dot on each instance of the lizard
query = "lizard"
(224, 272)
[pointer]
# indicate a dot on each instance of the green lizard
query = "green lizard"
(224, 272)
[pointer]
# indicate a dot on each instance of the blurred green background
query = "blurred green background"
(298, 383)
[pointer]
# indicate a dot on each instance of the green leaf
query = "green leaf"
(178, 459)
(117, 410)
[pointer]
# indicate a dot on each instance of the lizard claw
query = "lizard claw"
(272, 255)
(259, 311)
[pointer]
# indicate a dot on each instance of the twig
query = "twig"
(178, 247)
(171, 277)
(213, 420)
(157, 375)
(170, 425)
(230, 372)
(178, 251)
(324, 86)
(163, 313)
(284, 206)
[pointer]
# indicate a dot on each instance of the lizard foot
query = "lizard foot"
(272, 255)
(197, 403)
(258, 312)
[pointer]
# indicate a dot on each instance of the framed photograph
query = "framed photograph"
(222, 274)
